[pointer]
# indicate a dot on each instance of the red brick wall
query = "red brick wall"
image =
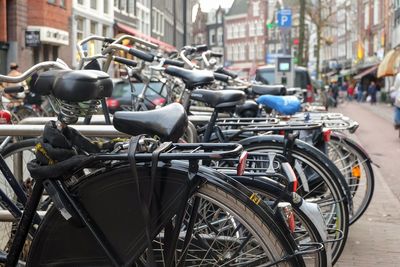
(41, 13)
(3, 21)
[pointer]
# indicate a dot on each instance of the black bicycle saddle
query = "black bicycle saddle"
(169, 122)
(74, 85)
(261, 89)
(191, 78)
(219, 98)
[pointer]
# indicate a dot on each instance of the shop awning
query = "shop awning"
(329, 74)
(346, 72)
(164, 46)
(388, 66)
(370, 70)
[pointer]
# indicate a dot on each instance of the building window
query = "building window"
(93, 27)
(105, 31)
(53, 2)
(260, 28)
(79, 29)
(158, 22)
(211, 36)
(105, 6)
(366, 16)
(220, 36)
(376, 12)
(219, 20)
(93, 4)
(122, 6)
(235, 31)
(62, 3)
(260, 51)
(242, 30)
(252, 29)
(251, 51)
(229, 32)
(80, 2)
(256, 9)
(131, 7)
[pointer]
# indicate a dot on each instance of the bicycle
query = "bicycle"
(241, 209)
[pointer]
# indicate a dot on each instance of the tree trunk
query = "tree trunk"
(318, 49)
(300, 55)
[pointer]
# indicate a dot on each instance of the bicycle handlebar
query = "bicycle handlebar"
(125, 61)
(224, 71)
(33, 69)
(14, 89)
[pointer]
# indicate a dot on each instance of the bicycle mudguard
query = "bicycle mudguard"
(287, 105)
(107, 197)
(278, 139)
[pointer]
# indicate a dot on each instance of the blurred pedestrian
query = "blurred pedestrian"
(372, 90)
(350, 91)
(360, 91)
(14, 72)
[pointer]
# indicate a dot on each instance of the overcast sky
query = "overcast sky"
(206, 5)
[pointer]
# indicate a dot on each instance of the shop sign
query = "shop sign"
(32, 38)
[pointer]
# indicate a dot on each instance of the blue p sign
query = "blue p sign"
(284, 18)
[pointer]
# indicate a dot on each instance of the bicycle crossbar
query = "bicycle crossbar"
(37, 130)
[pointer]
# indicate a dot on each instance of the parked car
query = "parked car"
(121, 98)
(266, 75)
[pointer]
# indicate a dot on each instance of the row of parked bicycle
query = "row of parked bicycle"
(196, 182)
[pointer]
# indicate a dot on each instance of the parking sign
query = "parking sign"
(284, 18)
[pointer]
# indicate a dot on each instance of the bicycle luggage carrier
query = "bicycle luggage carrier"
(178, 151)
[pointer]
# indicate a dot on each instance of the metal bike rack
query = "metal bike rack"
(28, 130)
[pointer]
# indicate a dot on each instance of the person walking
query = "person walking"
(350, 92)
(14, 71)
(372, 90)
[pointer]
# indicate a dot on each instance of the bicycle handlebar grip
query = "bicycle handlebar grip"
(14, 89)
(109, 40)
(174, 63)
(227, 72)
(221, 77)
(125, 61)
(215, 54)
(142, 55)
(201, 48)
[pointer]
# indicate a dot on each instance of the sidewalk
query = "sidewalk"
(374, 240)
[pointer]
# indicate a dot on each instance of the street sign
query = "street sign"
(284, 17)
(32, 38)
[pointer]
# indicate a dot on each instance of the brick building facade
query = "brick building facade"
(35, 30)
(245, 35)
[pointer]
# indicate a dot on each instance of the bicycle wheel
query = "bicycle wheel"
(226, 230)
(305, 232)
(355, 165)
(322, 180)
(16, 155)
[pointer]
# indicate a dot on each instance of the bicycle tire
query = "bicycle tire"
(363, 161)
(274, 190)
(325, 169)
(57, 238)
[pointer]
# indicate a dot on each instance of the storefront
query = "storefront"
(45, 42)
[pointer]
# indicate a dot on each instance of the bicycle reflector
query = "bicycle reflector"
(326, 133)
(287, 213)
(242, 163)
(5, 117)
(293, 183)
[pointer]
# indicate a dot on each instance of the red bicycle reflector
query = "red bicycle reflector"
(112, 103)
(5, 117)
(292, 178)
(288, 215)
(326, 133)
(242, 163)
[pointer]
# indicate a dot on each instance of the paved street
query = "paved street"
(374, 240)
